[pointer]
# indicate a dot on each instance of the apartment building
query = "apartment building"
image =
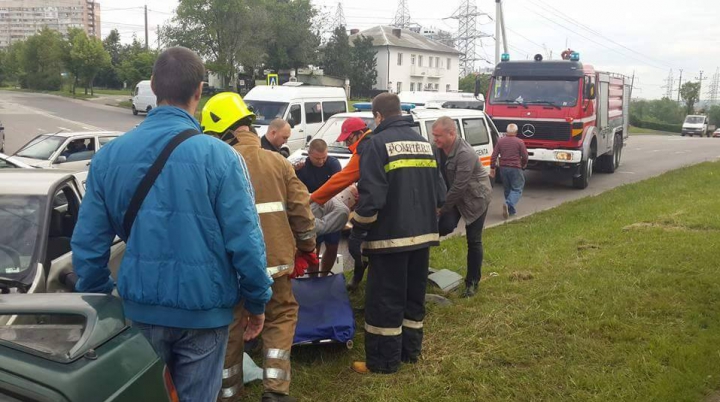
(20, 19)
(409, 61)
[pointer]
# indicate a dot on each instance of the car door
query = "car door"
(76, 153)
(476, 132)
(298, 138)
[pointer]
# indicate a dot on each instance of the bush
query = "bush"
(654, 125)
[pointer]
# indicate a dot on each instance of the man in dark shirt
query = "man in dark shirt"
(277, 135)
(513, 159)
(317, 169)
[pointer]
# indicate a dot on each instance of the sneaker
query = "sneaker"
(506, 211)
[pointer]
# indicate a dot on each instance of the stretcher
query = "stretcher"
(325, 314)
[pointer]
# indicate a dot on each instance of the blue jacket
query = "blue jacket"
(196, 247)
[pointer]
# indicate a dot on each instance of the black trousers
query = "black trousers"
(395, 309)
(447, 224)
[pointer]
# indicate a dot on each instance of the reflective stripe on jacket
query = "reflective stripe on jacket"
(399, 190)
(282, 202)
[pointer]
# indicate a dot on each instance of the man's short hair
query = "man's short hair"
(177, 74)
(317, 145)
(511, 128)
(446, 124)
(277, 124)
(386, 104)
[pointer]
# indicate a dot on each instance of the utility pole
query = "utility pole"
(147, 45)
(339, 20)
(402, 15)
(700, 80)
(632, 84)
(500, 33)
(680, 85)
(467, 34)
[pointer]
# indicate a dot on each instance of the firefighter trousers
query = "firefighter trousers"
(277, 337)
(395, 309)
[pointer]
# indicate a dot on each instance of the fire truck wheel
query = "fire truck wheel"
(581, 182)
(609, 162)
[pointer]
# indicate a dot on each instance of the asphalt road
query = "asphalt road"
(26, 115)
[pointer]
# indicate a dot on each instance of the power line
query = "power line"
(402, 15)
(669, 85)
(714, 87)
(585, 27)
(339, 20)
(524, 37)
(467, 35)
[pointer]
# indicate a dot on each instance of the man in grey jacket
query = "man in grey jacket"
(469, 194)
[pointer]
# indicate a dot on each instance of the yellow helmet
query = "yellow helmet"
(223, 111)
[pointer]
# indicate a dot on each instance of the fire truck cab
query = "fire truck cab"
(571, 117)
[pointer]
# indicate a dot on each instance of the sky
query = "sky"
(650, 38)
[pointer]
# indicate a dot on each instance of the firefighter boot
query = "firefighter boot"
(232, 375)
(273, 397)
(280, 321)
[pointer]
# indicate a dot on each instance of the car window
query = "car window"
(331, 108)
(105, 140)
(41, 147)
(296, 114)
(81, 149)
(6, 165)
(313, 112)
(475, 131)
(429, 124)
(20, 218)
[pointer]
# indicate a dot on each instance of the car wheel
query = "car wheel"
(135, 111)
(581, 182)
(149, 108)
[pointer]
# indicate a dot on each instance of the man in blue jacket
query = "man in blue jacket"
(196, 248)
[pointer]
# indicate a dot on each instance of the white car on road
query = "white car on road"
(472, 125)
(12, 163)
(70, 151)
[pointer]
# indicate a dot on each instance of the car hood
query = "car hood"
(33, 162)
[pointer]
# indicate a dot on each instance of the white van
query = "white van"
(306, 108)
(472, 125)
(143, 99)
(447, 100)
(695, 124)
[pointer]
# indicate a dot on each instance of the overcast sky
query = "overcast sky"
(648, 37)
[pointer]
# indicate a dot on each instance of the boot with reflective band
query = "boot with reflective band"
(280, 321)
(232, 378)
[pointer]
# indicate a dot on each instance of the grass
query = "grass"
(609, 298)
(123, 92)
(646, 131)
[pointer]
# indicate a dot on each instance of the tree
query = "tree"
(41, 61)
(690, 93)
(714, 115)
(226, 33)
(293, 43)
(137, 67)
(73, 63)
(93, 58)
(12, 62)
(363, 73)
(467, 83)
(108, 77)
(446, 38)
(337, 54)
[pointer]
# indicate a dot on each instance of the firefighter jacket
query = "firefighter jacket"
(400, 190)
(348, 175)
(282, 202)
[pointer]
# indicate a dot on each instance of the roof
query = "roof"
(287, 93)
(383, 36)
(552, 68)
(30, 181)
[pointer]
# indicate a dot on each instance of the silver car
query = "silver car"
(68, 151)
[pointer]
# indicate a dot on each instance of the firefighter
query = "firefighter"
(395, 224)
(283, 204)
(354, 133)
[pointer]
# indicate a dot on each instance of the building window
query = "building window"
(448, 63)
(437, 62)
(412, 86)
(447, 88)
(399, 87)
(420, 61)
(430, 62)
(437, 87)
(399, 59)
(412, 59)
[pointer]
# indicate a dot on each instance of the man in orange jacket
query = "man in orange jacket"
(353, 133)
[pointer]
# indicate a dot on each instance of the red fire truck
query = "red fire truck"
(571, 117)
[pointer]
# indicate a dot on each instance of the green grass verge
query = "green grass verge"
(645, 131)
(123, 92)
(609, 298)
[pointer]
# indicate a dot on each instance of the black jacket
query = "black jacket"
(400, 190)
(265, 144)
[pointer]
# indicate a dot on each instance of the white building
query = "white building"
(408, 61)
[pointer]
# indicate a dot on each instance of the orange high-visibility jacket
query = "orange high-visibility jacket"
(344, 178)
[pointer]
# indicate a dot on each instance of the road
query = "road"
(25, 115)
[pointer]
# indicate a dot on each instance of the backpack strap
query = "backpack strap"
(152, 174)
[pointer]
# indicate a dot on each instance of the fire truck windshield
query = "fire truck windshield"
(527, 91)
